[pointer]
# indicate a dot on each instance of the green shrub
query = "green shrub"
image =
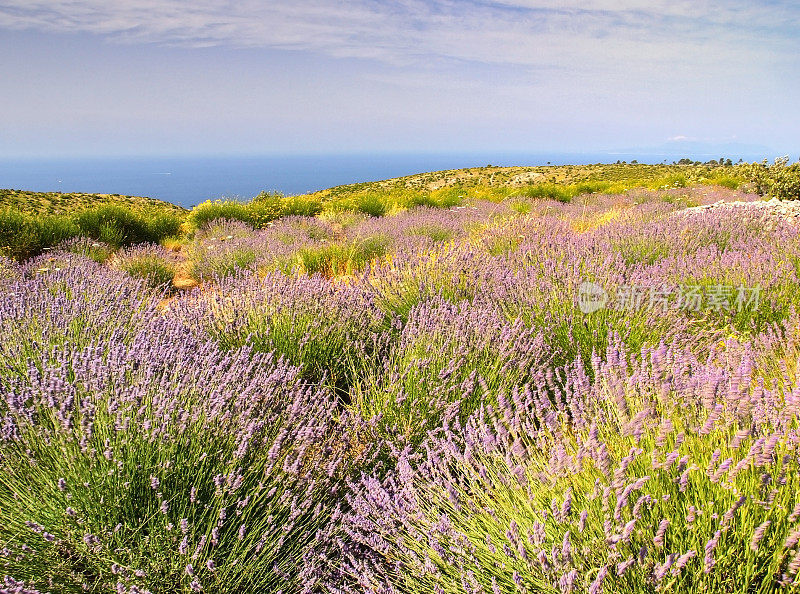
(53, 230)
(111, 224)
(258, 213)
(205, 213)
(118, 225)
(779, 180)
(157, 273)
(265, 208)
(23, 236)
(163, 225)
(334, 259)
(315, 260)
(548, 192)
(306, 206)
(445, 198)
(18, 234)
(593, 187)
(374, 206)
(726, 181)
(677, 180)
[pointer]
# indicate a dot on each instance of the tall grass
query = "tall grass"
(338, 258)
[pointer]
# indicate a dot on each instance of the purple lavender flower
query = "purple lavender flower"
(582, 521)
(691, 516)
(729, 515)
(596, 587)
(758, 535)
(623, 566)
(566, 583)
(682, 561)
(627, 531)
(709, 561)
(792, 539)
(662, 569)
(658, 540)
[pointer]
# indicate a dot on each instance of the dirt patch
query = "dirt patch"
(523, 179)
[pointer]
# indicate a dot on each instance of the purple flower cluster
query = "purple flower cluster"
(491, 502)
(442, 418)
(137, 444)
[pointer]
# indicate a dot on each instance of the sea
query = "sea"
(187, 181)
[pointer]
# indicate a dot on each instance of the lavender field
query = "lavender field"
(512, 396)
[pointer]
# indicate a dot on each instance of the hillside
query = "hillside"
(624, 174)
(500, 181)
(58, 203)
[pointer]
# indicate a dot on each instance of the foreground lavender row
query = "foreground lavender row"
(443, 418)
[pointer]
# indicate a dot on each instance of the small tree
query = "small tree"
(779, 180)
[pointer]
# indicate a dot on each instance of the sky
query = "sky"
(229, 77)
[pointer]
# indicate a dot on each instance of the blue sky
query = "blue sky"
(151, 77)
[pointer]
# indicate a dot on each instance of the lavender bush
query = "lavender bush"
(413, 402)
(153, 263)
(8, 268)
(85, 246)
(677, 476)
(55, 300)
(166, 465)
(327, 330)
(446, 358)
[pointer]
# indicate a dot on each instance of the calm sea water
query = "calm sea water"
(189, 181)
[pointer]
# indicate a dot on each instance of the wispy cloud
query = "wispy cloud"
(525, 32)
